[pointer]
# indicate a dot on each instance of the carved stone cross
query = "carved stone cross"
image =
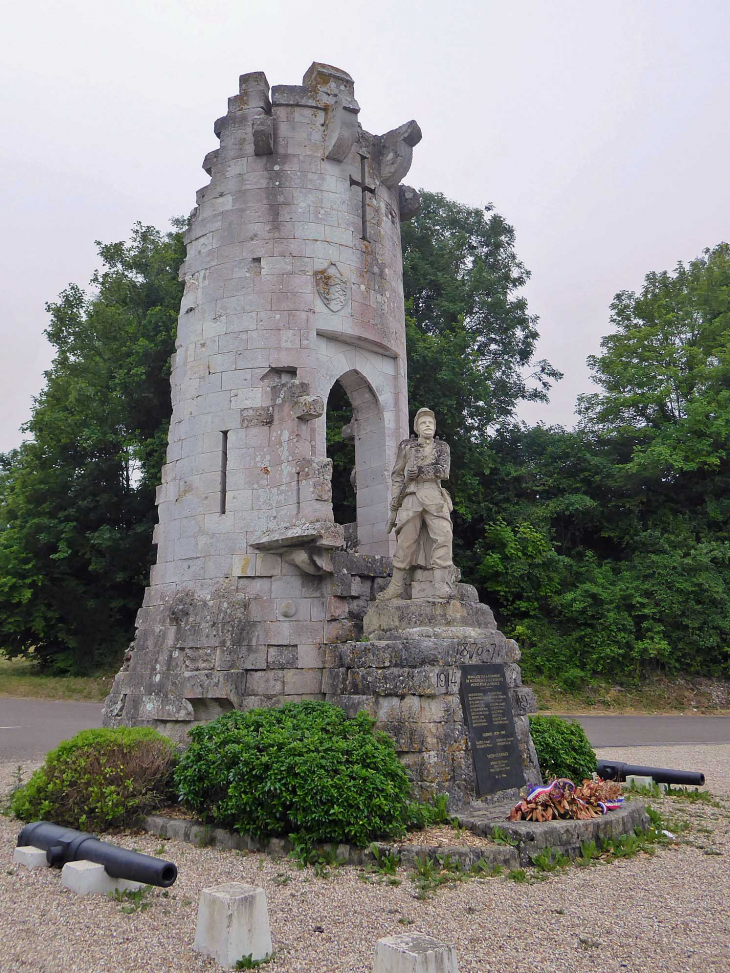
(362, 183)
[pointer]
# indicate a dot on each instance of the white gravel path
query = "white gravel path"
(668, 912)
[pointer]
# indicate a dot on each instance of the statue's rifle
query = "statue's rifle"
(399, 499)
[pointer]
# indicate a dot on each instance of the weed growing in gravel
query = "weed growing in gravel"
(430, 874)
(546, 862)
(517, 875)
(384, 863)
(485, 869)
(321, 861)
(134, 899)
(589, 854)
(248, 963)
(693, 796)
(160, 851)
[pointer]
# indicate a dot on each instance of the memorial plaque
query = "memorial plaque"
(488, 716)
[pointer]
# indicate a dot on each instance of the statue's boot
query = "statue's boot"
(396, 587)
(442, 586)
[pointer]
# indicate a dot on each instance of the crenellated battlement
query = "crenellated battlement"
(257, 119)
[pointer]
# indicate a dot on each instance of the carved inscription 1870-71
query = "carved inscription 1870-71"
(488, 715)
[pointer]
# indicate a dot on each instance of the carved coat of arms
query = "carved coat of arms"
(332, 287)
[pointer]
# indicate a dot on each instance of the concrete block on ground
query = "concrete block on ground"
(633, 780)
(31, 857)
(88, 878)
(233, 922)
(414, 953)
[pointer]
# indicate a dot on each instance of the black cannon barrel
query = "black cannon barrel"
(66, 845)
(615, 770)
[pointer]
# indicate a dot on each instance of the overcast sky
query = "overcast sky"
(598, 129)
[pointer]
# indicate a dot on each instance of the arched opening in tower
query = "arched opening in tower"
(341, 450)
(356, 444)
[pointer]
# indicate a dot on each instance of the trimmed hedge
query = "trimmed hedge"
(100, 779)
(562, 748)
(304, 769)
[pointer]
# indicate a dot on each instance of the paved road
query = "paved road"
(31, 727)
(653, 731)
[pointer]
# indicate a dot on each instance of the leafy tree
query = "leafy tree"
(470, 341)
(77, 500)
(635, 504)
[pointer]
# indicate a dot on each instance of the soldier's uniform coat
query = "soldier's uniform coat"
(423, 526)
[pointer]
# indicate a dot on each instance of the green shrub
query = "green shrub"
(562, 748)
(304, 769)
(100, 779)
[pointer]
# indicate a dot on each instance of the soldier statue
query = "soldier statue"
(421, 510)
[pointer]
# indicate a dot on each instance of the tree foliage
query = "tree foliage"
(77, 499)
(605, 550)
(470, 338)
(612, 554)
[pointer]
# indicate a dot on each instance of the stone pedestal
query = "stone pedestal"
(30, 856)
(233, 922)
(414, 953)
(90, 878)
(407, 674)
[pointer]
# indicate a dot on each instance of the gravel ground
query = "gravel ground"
(668, 912)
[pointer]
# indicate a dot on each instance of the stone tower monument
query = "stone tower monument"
(293, 281)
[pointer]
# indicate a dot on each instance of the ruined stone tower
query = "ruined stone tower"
(293, 281)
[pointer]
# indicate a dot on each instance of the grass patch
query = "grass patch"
(655, 695)
(18, 677)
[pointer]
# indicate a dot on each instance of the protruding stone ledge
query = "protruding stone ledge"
(402, 619)
(308, 546)
(377, 653)
(321, 533)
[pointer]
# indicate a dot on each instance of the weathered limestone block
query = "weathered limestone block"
(414, 953)
(409, 202)
(383, 653)
(415, 619)
(263, 134)
(253, 91)
(89, 878)
(340, 129)
(233, 922)
(309, 407)
(30, 856)
(396, 152)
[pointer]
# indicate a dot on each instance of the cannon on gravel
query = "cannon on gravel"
(616, 770)
(66, 845)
